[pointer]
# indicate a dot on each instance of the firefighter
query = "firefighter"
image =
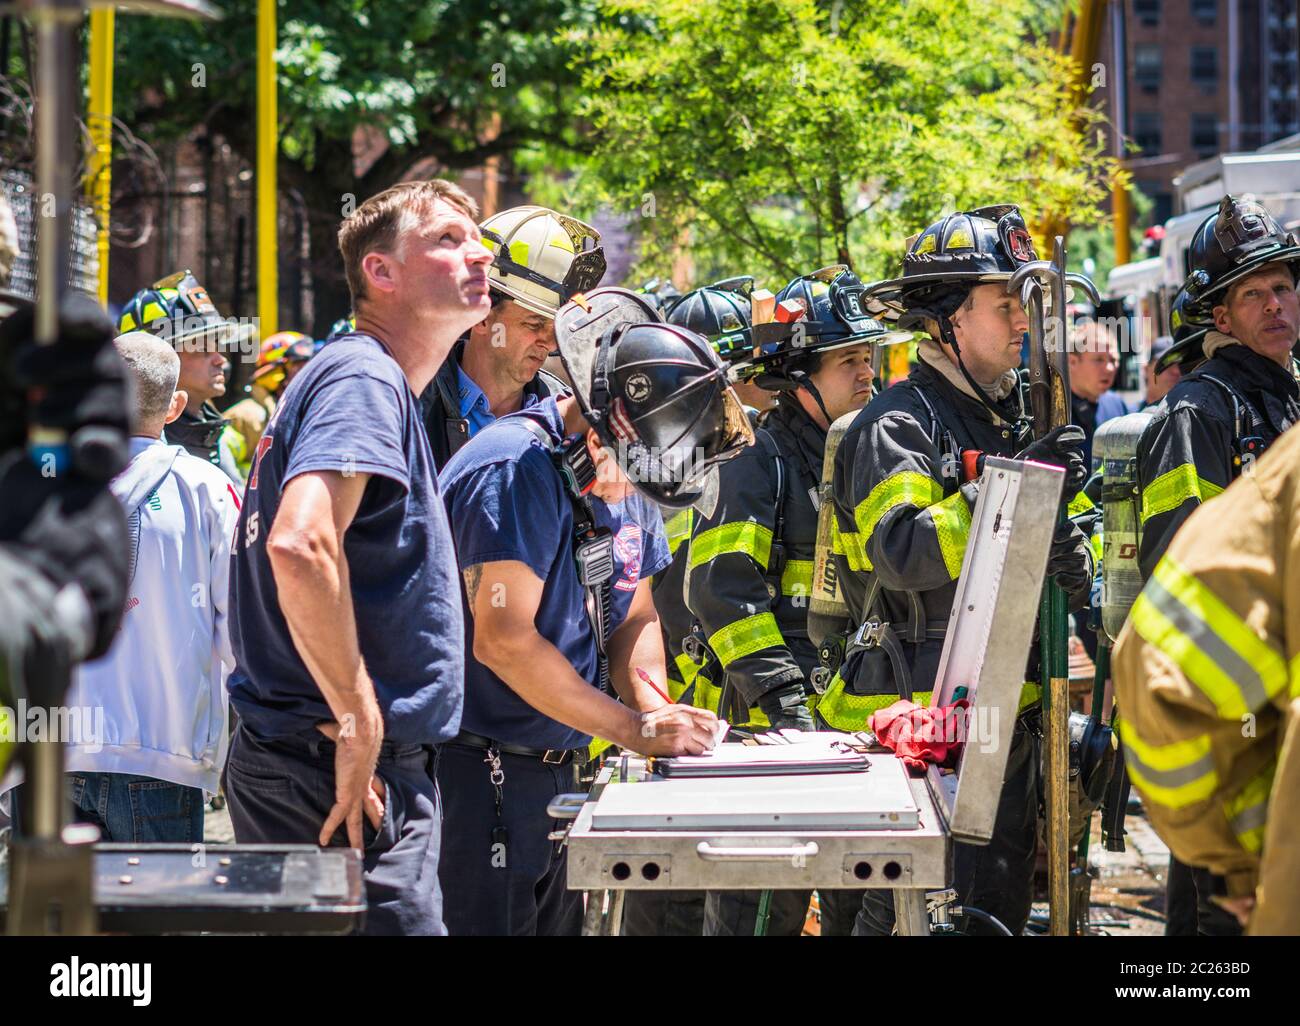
(180, 310)
(749, 571)
(1206, 679)
(1220, 418)
(542, 258)
(717, 313)
(905, 482)
(555, 507)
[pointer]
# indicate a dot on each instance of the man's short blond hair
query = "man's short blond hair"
(379, 223)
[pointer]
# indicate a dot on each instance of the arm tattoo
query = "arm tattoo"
(473, 575)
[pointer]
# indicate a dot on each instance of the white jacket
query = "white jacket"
(162, 685)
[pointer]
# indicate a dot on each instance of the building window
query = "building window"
(1205, 134)
(1146, 66)
(1148, 11)
(1205, 65)
(1205, 11)
(1146, 132)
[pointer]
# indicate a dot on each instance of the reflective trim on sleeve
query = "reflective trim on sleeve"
(952, 525)
(1247, 811)
(750, 538)
(796, 578)
(745, 637)
(1218, 652)
(907, 487)
(1174, 487)
(1174, 775)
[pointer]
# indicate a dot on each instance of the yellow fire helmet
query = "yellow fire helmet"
(543, 258)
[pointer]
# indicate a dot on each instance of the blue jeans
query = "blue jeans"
(137, 810)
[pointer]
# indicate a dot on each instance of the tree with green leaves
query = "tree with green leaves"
(440, 80)
(775, 137)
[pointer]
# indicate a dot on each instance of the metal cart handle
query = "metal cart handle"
(709, 853)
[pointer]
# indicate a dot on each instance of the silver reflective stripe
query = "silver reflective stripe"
(1250, 819)
(1171, 778)
(1234, 667)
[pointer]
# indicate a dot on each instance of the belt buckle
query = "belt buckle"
(555, 756)
(870, 633)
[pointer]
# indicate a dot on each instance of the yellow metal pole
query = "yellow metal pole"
(268, 280)
(1119, 204)
(99, 184)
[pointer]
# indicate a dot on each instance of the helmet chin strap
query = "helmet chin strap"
(804, 381)
(947, 335)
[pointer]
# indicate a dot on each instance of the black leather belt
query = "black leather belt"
(550, 756)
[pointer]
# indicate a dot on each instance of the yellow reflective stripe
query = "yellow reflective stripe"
(849, 545)
(745, 637)
(1218, 652)
(796, 578)
(1097, 543)
(678, 529)
(1174, 487)
(1079, 504)
(1175, 775)
(1247, 812)
(952, 525)
(845, 711)
(750, 538)
(152, 312)
(707, 696)
(905, 488)
(687, 668)
(596, 748)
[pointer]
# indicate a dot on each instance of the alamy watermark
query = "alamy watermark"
(81, 725)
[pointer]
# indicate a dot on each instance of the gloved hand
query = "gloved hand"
(76, 385)
(1069, 561)
(787, 709)
(1061, 447)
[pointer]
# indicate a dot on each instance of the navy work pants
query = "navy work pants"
(280, 791)
(501, 874)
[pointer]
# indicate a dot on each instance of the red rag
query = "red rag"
(922, 734)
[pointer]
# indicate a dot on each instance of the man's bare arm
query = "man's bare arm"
(639, 642)
(507, 596)
(305, 549)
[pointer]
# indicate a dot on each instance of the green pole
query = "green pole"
(764, 914)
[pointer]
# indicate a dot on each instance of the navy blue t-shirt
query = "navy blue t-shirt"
(506, 501)
(351, 410)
